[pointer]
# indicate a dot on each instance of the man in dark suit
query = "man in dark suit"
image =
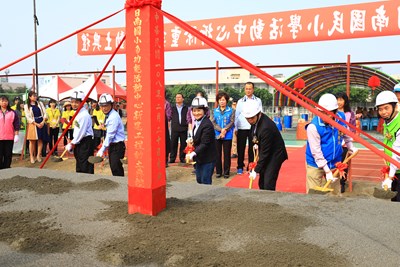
(179, 128)
(269, 143)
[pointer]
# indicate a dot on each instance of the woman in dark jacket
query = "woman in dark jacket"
(204, 142)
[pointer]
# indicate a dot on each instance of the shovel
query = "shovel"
(324, 190)
(255, 153)
(95, 159)
(385, 192)
(59, 159)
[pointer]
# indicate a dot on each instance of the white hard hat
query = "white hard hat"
(385, 97)
(251, 108)
(397, 88)
(328, 101)
(105, 99)
(77, 95)
(199, 102)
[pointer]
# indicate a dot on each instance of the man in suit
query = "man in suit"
(179, 128)
(268, 141)
(205, 150)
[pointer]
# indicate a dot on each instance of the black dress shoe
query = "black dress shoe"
(226, 176)
(171, 161)
(218, 175)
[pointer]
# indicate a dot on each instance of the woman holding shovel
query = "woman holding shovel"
(324, 147)
(386, 102)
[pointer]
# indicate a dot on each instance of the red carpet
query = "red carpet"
(292, 176)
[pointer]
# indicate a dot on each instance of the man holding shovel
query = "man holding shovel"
(270, 145)
(324, 147)
(386, 102)
(82, 144)
(115, 135)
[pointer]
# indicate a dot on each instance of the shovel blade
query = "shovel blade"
(318, 190)
(95, 159)
(384, 194)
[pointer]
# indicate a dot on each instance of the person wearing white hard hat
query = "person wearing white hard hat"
(242, 128)
(387, 104)
(268, 142)
(205, 150)
(115, 135)
(82, 143)
(324, 146)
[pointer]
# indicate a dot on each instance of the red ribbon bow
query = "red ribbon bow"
(341, 167)
(384, 172)
(252, 165)
(141, 3)
(188, 149)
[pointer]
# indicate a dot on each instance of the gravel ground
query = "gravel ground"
(55, 218)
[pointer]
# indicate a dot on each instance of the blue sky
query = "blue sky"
(59, 18)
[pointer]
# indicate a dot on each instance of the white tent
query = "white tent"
(99, 89)
(54, 88)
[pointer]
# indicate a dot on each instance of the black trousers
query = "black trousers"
(269, 175)
(226, 146)
(243, 137)
(98, 134)
(116, 152)
(6, 147)
(69, 134)
(82, 152)
(53, 138)
(175, 137)
(396, 187)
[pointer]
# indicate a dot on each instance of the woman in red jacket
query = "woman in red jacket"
(9, 129)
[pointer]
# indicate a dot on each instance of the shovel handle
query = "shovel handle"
(62, 155)
(347, 159)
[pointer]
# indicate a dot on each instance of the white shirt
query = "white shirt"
(82, 126)
(240, 121)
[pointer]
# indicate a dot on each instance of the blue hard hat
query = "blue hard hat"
(396, 88)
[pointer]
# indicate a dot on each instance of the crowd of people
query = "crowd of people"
(209, 138)
(97, 128)
(220, 134)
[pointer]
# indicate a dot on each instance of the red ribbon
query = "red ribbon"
(141, 3)
(252, 165)
(384, 172)
(341, 167)
(188, 149)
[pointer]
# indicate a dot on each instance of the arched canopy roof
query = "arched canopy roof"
(321, 78)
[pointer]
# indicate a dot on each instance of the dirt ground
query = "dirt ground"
(227, 232)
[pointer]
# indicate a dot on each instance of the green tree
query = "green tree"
(264, 95)
(357, 95)
(188, 91)
(233, 93)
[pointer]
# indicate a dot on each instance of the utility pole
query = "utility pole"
(35, 24)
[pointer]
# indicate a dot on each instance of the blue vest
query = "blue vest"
(331, 142)
(223, 119)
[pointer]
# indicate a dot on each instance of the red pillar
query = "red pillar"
(145, 107)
